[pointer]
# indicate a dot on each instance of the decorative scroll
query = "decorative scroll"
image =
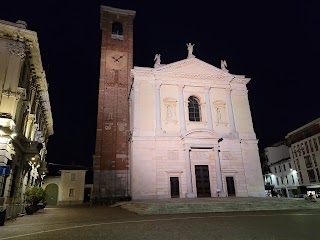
(17, 48)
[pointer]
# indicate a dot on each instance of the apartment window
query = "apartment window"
(301, 178)
(298, 164)
(295, 151)
(302, 148)
(73, 177)
(312, 177)
(318, 174)
(71, 192)
(284, 167)
(275, 169)
(290, 167)
(310, 144)
(315, 144)
(307, 146)
(194, 109)
(282, 180)
(277, 181)
(314, 160)
(298, 147)
(292, 179)
(287, 179)
(270, 180)
(308, 161)
(279, 168)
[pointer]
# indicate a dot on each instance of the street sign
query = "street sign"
(4, 170)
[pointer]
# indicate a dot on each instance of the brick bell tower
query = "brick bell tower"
(111, 163)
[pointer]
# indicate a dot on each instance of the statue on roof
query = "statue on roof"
(190, 50)
(157, 59)
(224, 66)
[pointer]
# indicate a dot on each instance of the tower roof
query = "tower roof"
(118, 10)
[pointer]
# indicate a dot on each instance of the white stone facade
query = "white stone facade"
(197, 154)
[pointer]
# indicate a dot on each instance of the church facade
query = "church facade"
(192, 132)
(188, 132)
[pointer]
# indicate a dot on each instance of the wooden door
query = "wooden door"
(174, 184)
(202, 181)
(230, 186)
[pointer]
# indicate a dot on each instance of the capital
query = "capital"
(181, 87)
(158, 85)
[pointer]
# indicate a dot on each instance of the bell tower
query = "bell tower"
(111, 163)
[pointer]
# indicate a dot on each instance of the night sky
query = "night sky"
(275, 44)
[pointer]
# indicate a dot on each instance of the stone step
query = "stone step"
(217, 205)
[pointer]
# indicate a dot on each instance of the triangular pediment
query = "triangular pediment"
(192, 67)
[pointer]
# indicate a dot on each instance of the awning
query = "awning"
(313, 186)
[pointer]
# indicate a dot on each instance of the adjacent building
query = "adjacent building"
(67, 186)
(304, 149)
(25, 115)
(280, 174)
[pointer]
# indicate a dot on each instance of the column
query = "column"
(218, 171)
(181, 110)
(208, 109)
(158, 107)
(190, 193)
(230, 111)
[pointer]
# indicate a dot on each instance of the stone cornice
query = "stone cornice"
(118, 11)
(21, 35)
(170, 70)
(241, 80)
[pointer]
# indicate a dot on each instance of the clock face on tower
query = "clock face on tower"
(116, 59)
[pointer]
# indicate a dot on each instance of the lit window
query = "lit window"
(194, 109)
(71, 192)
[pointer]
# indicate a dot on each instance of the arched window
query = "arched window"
(194, 109)
(117, 28)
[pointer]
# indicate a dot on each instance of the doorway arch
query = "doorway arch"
(52, 194)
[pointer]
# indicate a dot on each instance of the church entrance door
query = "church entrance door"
(174, 184)
(230, 186)
(202, 181)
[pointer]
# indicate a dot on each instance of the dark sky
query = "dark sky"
(275, 44)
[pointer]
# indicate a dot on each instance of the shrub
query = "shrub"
(35, 195)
